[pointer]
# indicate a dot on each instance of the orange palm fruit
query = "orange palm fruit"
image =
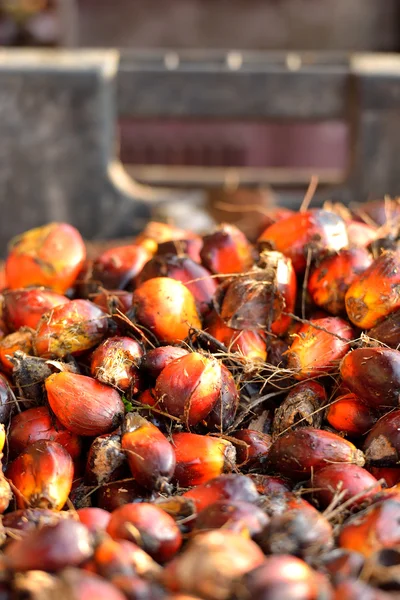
(230, 487)
(24, 307)
(350, 415)
(375, 293)
(200, 458)
(21, 340)
(70, 329)
(42, 476)
(227, 250)
(156, 233)
(195, 277)
(116, 267)
(116, 362)
(306, 233)
(83, 405)
(319, 346)
(150, 456)
(246, 343)
(167, 308)
(330, 280)
(301, 451)
(373, 374)
(51, 256)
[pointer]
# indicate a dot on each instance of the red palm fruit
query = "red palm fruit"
(147, 398)
(375, 293)
(116, 362)
(29, 519)
(227, 250)
(300, 408)
(333, 276)
(391, 475)
(373, 374)
(373, 529)
(156, 359)
(167, 308)
(115, 267)
(37, 424)
(83, 405)
(150, 456)
(259, 298)
(297, 531)
(280, 577)
(387, 331)
(189, 246)
(148, 526)
(105, 460)
(121, 557)
(303, 451)
(51, 256)
(211, 563)
(232, 515)
(223, 414)
(112, 301)
(230, 487)
(157, 233)
(306, 233)
(7, 400)
(82, 585)
(350, 415)
(50, 548)
(24, 307)
(189, 387)
(93, 518)
(42, 476)
(118, 493)
(70, 329)
(200, 458)
(318, 347)
(382, 445)
(349, 479)
(254, 450)
(283, 502)
(267, 484)
(246, 343)
(195, 277)
(19, 341)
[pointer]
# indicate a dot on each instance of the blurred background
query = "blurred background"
(187, 152)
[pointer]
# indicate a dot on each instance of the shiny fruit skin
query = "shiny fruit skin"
(301, 451)
(189, 387)
(254, 450)
(156, 359)
(382, 445)
(188, 246)
(390, 475)
(157, 233)
(302, 232)
(223, 413)
(229, 487)
(149, 527)
(373, 374)
(20, 340)
(167, 308)
(246, 343)
(331, 279)
(116, 362)
(350, 415)
(150, 456)
(232, 516)
(195, 277)
(115, 558)
(115, 267)
(51, 256)
(50, 548)
(37, 424)
(93, 518)
(347, 478)
(375, 293)
(267, 484)
(70, 329)
(112, 301)
(387, 331)
(200, 458)
(226, 250)
(315, 352)
(42, 474)
(25, 307)
(118, 493)
(83, 405)
(373, 529)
